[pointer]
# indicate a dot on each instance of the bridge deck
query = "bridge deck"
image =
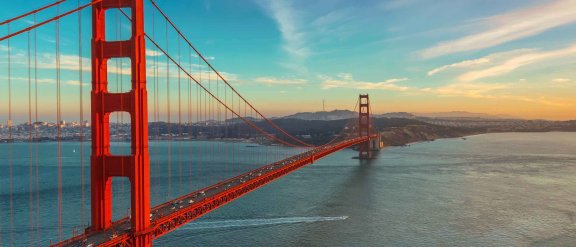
(168, 216)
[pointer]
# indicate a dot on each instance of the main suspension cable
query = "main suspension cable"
(33, 12)
(57, 17)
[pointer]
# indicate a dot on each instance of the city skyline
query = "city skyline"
(514, 57)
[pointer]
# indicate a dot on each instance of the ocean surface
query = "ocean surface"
(511, 189)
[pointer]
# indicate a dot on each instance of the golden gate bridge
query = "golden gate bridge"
(190, 100)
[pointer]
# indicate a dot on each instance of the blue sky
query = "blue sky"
(515, 57)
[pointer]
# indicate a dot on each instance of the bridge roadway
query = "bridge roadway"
(168, 216)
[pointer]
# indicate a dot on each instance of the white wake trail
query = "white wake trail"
(213, 224)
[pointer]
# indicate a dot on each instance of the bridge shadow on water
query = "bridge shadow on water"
(355, 197)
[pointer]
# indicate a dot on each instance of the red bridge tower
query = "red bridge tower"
(364, 126)
(103, 165)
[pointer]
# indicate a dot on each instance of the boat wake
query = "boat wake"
(220, 224)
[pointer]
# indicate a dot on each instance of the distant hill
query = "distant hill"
(464, 114)
(323, 115)
(396, 115)
(346, 114)
(236, 120)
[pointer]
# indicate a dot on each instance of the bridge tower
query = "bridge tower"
(103, 165)
(364, 126)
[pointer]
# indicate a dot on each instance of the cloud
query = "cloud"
(509, 27)
(473, 90)
(346, 80)
(67, 62)
(537, 100)
(463, 64)
(561, 80)
(76, 83)
(517, 61)
(489, 91)
(153, 53)
(470, 90)
(47, 61)
(294, 39)
(277, 81)
(25, 79)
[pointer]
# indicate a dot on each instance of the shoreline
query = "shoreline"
(390, 138)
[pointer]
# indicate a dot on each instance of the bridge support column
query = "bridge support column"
(364, 127)
(103, 165)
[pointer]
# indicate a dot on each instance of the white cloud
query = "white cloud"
(294, 39)
(153, 53)
(346, 80)
(67, 62)
(561, 80)
(470, 90)
(509, 27)
(463, 64)
(489, 91)
(25, 79)
(538, 100)
(517, 61)
(277, 81)
(76, 83)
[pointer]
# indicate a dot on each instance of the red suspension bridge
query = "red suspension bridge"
(190, 101)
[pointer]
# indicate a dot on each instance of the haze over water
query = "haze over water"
(512, 189)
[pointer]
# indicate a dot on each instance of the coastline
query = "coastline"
(391, 137)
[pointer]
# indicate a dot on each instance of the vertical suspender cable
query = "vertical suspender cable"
(209, 118)
(241, 129)
(233, 143)
(36, 129)
(59, 124)
(226, 130)
(1, 189)
(168, 114)
(190, 116)
(179, 122)
(10, 139)
(31, 148)
(203, 121)
(81, 89)
(211, 115)
(199, 126)
(217, 127)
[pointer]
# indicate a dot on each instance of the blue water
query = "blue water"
(512, 189)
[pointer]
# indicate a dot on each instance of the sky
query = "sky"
(514, 57)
